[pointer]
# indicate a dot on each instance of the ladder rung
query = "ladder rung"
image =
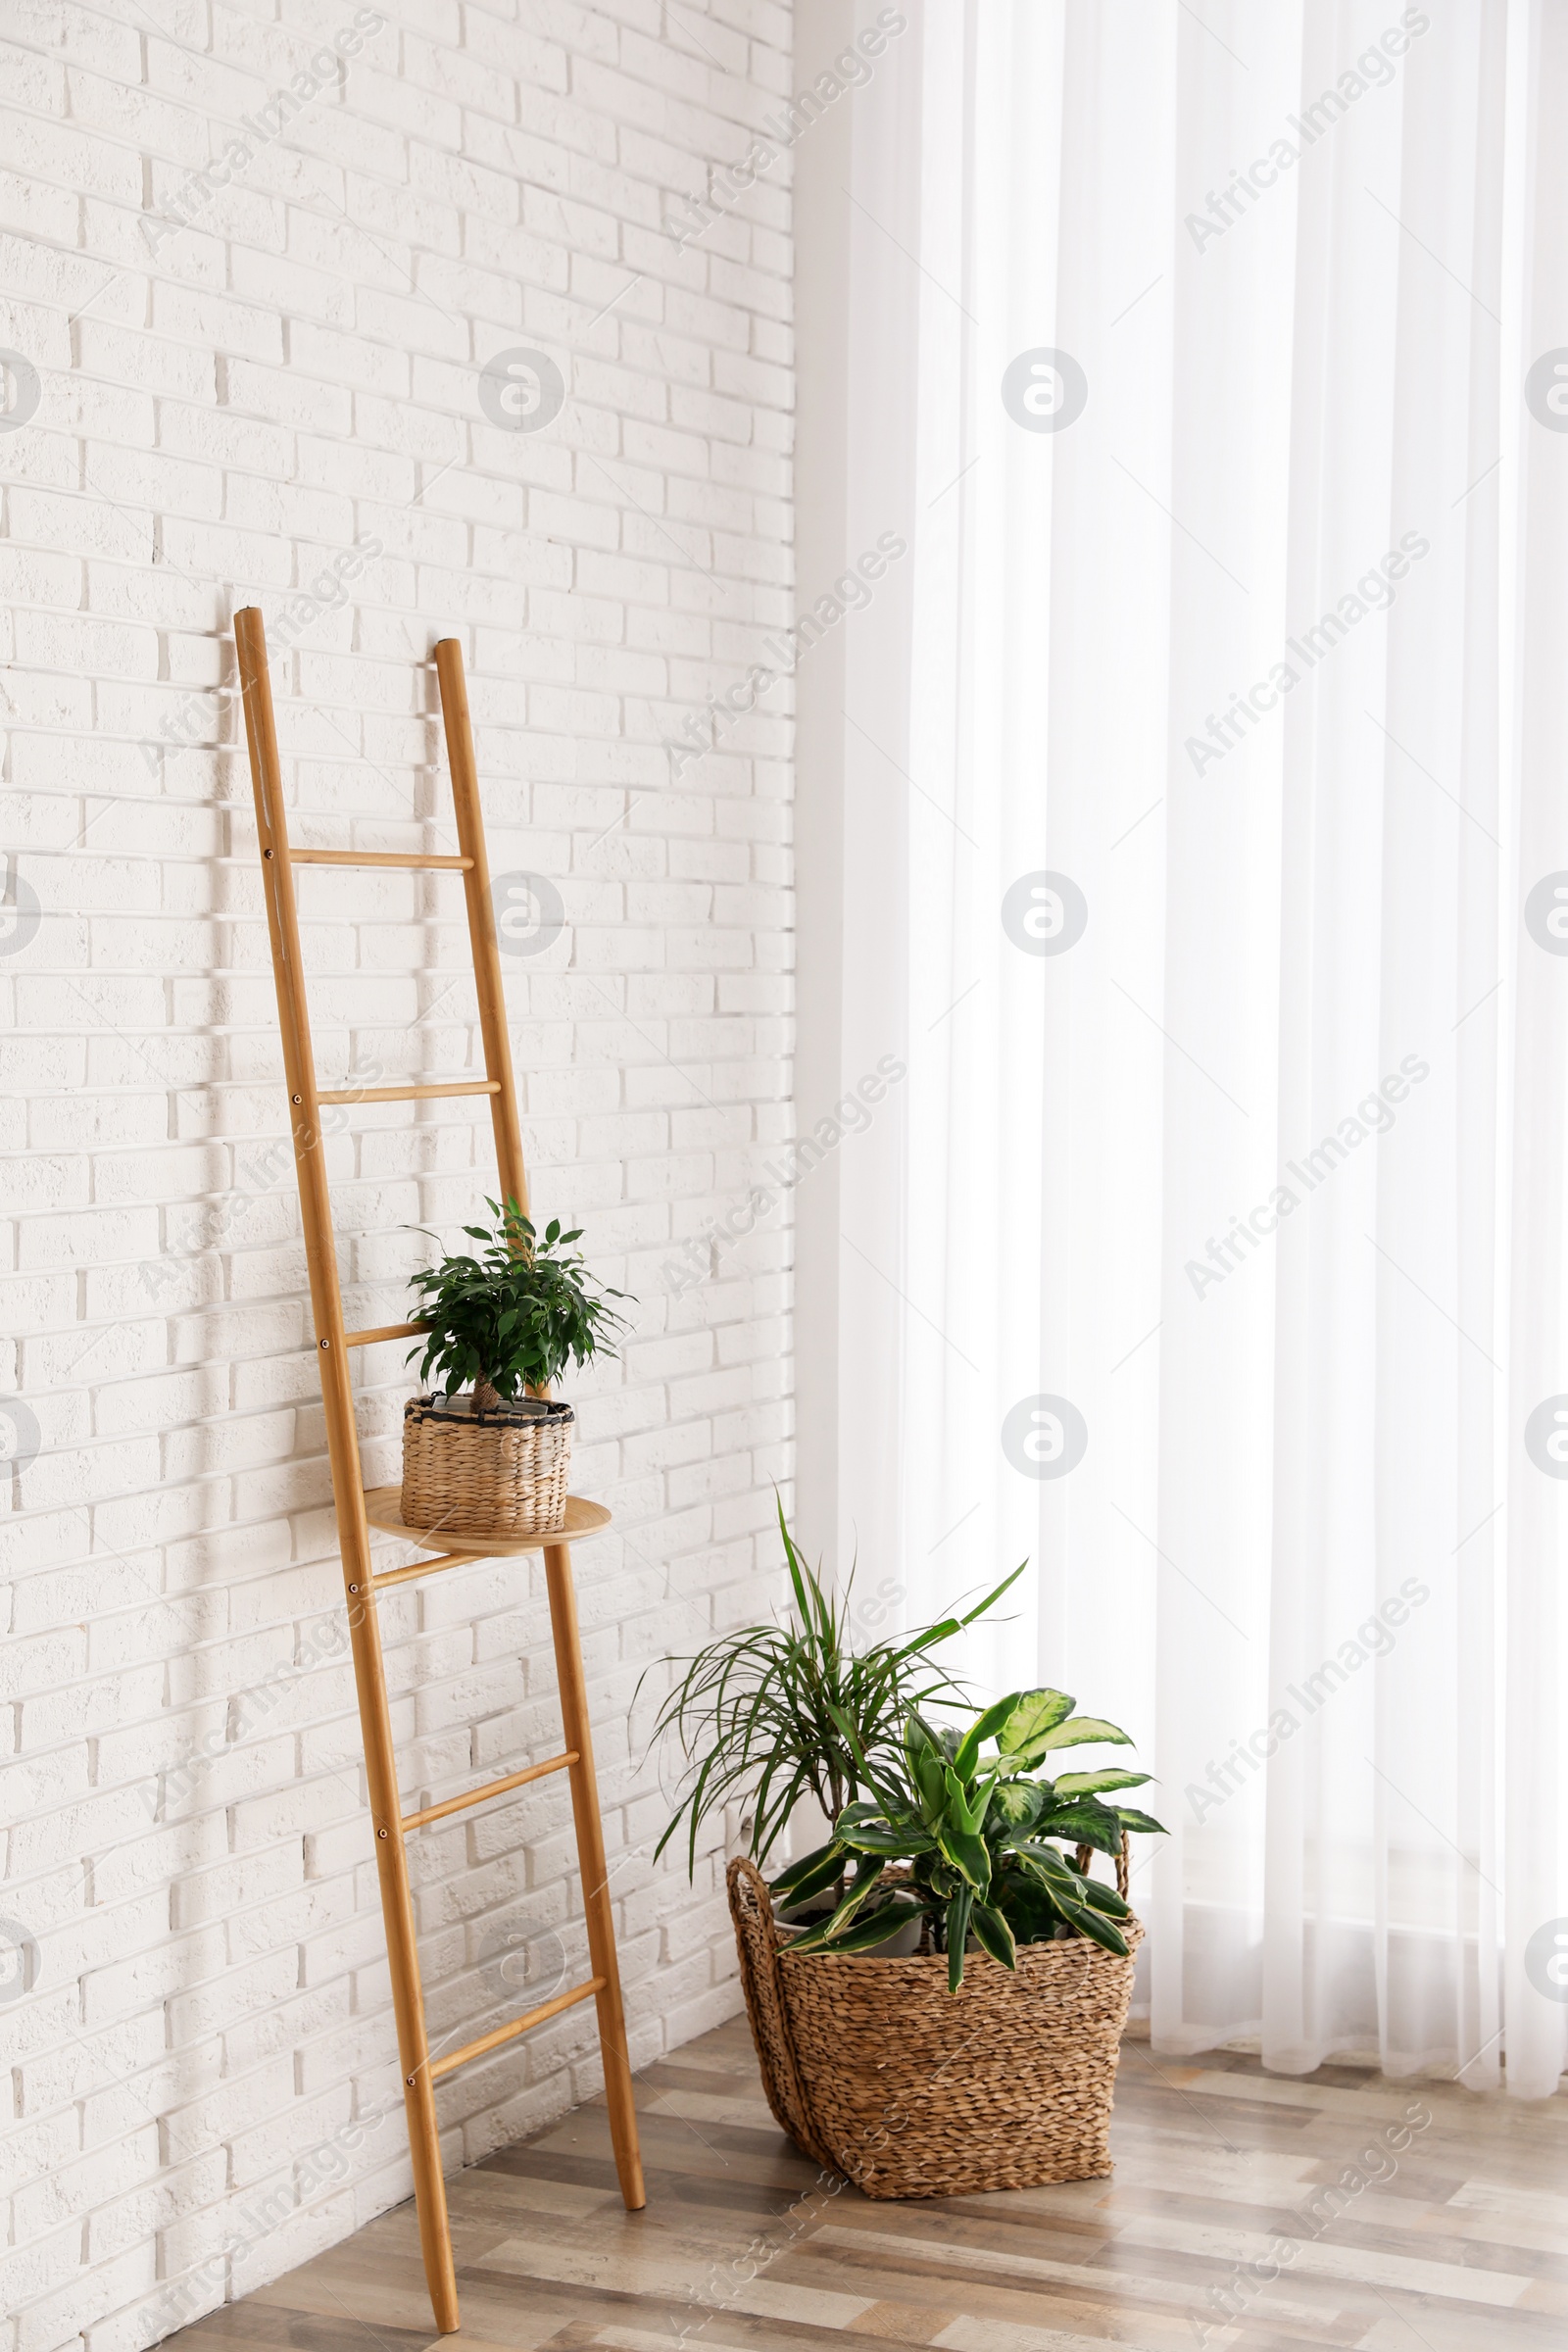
(477, 1796)
(408, 1094)
(448, 1559)
(383, 1330)
(410, 858)
(519, 2024)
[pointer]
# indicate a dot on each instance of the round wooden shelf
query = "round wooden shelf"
(384, 1509)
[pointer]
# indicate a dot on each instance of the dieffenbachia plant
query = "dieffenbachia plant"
(976, 1829)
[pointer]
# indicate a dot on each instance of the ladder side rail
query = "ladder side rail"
(482, 922)
(581, 1777)
(293, 1012)
(598, 1910)
(282, 923)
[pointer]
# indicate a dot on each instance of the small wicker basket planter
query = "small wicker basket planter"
(500, 1472)
(877, 2071)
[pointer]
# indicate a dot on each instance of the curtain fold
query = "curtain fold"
(1203, 753)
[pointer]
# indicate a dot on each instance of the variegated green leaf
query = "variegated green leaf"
(1047, 1863)
(812, 1873)
(958, 1911)
(993, 1934)
(1018, 1803)
(1095, 1783)
(985, 1727)
(895, 1845)
(1079, 1730)
(1086, 1822)
(864, 1933)
(969, 1856)
(1034, 1713)
(866, 1877)
(1090, 1922)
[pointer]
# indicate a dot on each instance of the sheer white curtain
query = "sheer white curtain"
(1202, 757)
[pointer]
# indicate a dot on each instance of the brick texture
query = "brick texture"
(254, 257)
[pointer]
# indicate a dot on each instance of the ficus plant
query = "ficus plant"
(512, 1318)
(773, 1713)
(978, 1836)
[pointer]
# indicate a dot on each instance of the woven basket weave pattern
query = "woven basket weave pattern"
(877, 2071)
(486, 1474)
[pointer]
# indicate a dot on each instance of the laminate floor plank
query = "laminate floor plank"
(1247, 2212)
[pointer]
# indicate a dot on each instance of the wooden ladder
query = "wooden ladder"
(358, 1511)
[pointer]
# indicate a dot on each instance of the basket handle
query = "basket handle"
(1085, 1854)
(756, 1940)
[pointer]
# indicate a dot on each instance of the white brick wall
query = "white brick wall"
(199, 2081)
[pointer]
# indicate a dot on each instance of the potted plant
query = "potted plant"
(493, 1460)
(987, 2059)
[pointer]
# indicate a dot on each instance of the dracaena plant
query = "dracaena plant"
(772, 1713)
(978, 1833)
(513, 1317)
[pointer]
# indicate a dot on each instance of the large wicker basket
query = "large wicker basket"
(496, 1473)
(876, 2071)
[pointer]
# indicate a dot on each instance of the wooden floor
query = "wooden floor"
(1459, 2246)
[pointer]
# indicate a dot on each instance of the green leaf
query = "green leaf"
(966, 1810)
(1105, 1899)
(848, 1730)
(1036, 1713)
(1092, 1783)
(893, 1844)
(949, 1626)
(928, 1764)
(1090, 1922)
(1080, 1730)
(993, 1934)
(1086, 1822)
(807, 1595)
(1027, 1907)
(922, 1737)
(1018, 1803)
(868, 1876)
(970, 1856)
(991, 1597)
(873, 1928)
(811, 1874)
(958, 1910)
(1144, 1823)
(856, 1814)
(984, 1727)
(1044, 1863)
